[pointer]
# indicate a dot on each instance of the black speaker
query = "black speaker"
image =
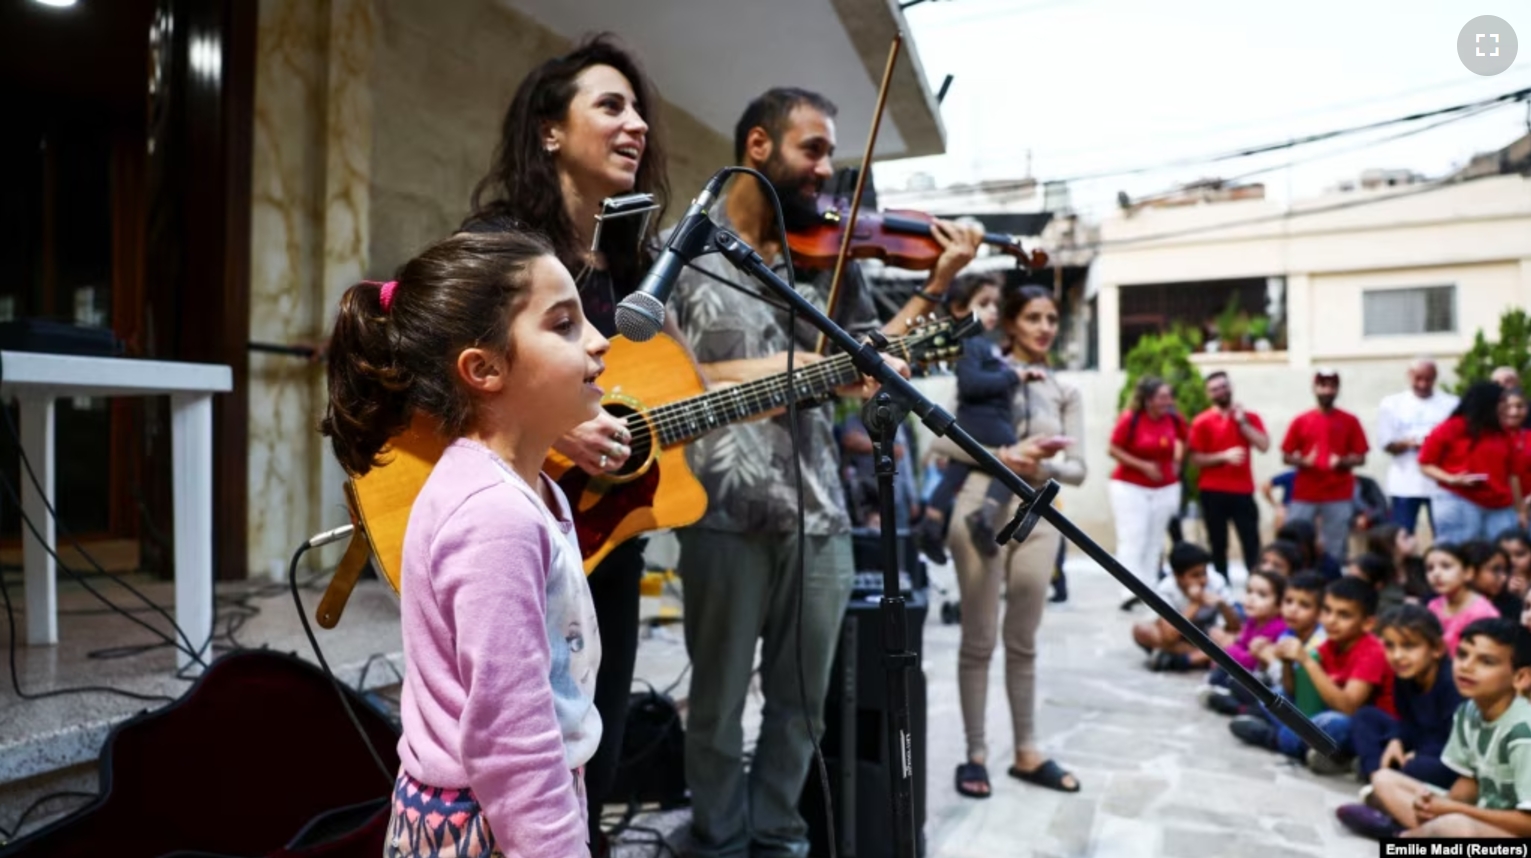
(855, 741)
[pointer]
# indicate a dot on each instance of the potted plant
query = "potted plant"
(1259, 331)
(1229, 327)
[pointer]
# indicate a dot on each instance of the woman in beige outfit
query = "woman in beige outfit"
(1046, 411)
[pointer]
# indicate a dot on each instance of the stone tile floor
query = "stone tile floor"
(1161, 776)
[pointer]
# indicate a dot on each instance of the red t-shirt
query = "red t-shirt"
(1523, 459)
(1365, 660)
(1451, 449)
(1151, 439)
(1213, 432)
(1336, 433)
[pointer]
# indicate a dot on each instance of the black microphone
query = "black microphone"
(641, 315)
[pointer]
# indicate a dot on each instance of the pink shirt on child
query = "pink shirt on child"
(1477, 608)
(1270, 628)
(502, 648)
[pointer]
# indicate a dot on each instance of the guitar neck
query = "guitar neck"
(689, 419)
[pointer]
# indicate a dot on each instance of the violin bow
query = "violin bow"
(861, 177)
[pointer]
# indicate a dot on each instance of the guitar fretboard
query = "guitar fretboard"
(689, 419)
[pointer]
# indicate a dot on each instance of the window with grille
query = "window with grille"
(1418, 310)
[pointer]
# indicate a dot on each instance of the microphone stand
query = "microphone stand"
(897, 397)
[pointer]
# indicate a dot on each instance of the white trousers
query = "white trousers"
(1142, 520)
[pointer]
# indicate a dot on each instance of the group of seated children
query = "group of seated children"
(1418, 668)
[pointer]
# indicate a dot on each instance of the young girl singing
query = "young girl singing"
(482, 333)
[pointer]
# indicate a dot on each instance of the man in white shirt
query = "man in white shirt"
(1403, 421)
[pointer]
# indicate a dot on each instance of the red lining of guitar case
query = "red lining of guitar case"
(256, 760)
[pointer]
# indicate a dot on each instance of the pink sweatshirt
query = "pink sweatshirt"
(1270, 628)
(501, 647)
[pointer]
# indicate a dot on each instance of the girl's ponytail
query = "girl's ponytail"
(369, 392)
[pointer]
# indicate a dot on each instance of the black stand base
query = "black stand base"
(882, 415)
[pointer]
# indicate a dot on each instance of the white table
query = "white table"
(36, 380)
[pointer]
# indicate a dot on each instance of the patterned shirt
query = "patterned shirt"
(746, 468)
(1497, 755)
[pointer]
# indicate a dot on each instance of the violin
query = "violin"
(898, 237)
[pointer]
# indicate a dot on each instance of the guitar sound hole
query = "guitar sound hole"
(643, 440)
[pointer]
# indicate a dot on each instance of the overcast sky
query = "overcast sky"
(1097, 85)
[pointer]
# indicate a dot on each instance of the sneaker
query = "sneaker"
(1319, 764)
(1368, 821)
(982, 533)
(931, 537)
(1205, 693)
(1227, 704)
(1253, 730)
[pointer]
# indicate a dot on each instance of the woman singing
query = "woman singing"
(580, 130)
(1049, 418)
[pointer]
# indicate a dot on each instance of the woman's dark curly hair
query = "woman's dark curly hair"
(522, 183)
(1480, 407)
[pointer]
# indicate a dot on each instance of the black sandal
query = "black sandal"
(973, 773)
(1049, 775)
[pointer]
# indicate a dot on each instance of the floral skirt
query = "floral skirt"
(434, 822)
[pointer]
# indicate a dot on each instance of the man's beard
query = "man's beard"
(1223, 401)
(1326, 401)
(799, 199)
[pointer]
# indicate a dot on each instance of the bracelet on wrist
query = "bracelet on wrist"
(934, 299)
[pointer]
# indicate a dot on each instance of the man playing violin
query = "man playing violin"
(739, 562)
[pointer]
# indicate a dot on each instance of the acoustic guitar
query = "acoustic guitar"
(654, 389)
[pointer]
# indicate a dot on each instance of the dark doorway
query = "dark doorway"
(125, 158)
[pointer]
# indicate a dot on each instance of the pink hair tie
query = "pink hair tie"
(385, 295)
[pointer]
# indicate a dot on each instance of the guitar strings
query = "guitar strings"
(760, 394)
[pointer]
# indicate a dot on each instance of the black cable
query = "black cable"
(58, 523)
(802, 548)
(297, 601)
(21, 821)
(10, 613)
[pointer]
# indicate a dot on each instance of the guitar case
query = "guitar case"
(257, 760)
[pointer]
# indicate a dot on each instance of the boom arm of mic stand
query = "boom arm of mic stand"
(1034, 504)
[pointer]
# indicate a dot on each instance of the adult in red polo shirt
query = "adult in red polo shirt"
(1325, 445)
(1472, 458)
(1220, 442)
(1147, 444)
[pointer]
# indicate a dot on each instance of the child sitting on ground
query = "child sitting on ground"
(1305, 536)
(1489, 749)
(1491, 576)
(1282, 557)
(1196, 598)
(1262, 627)
(1393, 542)
(1516, 545)
(1450, 570)
(1351, 671)
(1425, 694)
(1300, 601)
(1377, 570)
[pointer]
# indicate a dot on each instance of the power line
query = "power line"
(1516, 95)
(1201, 132)
(1425, 188)
(1456, 117)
